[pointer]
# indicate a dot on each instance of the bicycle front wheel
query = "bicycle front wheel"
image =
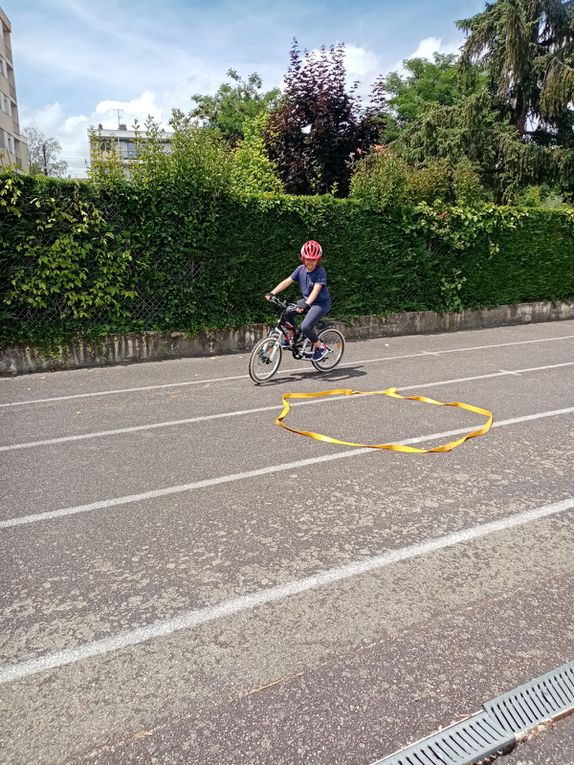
(335, 342)
(265, 359)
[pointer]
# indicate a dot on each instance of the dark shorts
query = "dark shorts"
(313, 315)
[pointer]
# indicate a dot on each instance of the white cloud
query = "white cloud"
(363, 65)
(78, 61)
(110, 112)
(431, 45)
(72, 130)
(428, 47)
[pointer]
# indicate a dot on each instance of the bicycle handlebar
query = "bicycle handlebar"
(281, 303)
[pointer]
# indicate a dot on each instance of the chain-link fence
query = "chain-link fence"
(163, 290)
(75, 259)
(60, 274)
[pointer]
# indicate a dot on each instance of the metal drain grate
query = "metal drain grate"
(465, 742)
(546, 698)
(500, 725)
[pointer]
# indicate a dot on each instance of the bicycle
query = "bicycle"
(267, 353)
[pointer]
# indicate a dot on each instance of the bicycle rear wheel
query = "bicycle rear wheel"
(265, 359)
(335, 342)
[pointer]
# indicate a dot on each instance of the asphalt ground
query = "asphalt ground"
(185, 582)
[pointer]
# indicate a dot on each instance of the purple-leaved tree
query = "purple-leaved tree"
(320, 127)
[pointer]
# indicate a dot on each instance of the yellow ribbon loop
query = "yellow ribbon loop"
(393, 392)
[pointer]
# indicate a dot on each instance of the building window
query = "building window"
(3, 68)
(128, 149)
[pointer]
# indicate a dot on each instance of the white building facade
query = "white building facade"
(123, 142)
(13, 146)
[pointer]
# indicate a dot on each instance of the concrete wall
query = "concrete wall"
(154, 346)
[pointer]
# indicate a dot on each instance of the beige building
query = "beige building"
(13, 147)
(123, 142)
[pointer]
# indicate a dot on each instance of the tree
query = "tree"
(319, 128)
(234, 103)
(252, 170)
(527, 47)
(43, 154)
(423, 84)
(491, 111)
(385, 181)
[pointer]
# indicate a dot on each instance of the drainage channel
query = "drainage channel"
(501, 724)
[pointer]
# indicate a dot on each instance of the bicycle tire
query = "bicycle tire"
(335, 340)
(262, 369)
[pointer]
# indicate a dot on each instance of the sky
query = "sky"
(77, 62)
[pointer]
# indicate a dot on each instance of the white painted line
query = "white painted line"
(299, 369)
(239, 412)
(501, 373)
(284, 466)
(194, 618)
(204, 381)
(458, 350)
(136, 428)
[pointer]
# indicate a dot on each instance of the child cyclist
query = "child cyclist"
(312, 280)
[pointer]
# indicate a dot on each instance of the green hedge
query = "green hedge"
(79, 258)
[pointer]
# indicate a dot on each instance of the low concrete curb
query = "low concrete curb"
(155, 346)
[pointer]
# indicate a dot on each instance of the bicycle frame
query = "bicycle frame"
(300, 346)
(267, 352)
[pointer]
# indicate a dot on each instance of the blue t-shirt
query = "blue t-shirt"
(308, 279)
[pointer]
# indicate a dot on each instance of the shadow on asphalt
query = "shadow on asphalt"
(337, 375)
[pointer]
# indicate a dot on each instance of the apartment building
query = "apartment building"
(122, 141)
(13, 147)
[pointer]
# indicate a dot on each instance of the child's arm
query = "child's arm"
(313, 294)
(282, 286)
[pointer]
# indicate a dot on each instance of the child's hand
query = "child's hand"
(268, 296)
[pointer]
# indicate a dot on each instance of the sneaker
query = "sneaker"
(285, 343)
(320, 353)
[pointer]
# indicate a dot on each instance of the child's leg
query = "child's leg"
(290, 321)
(308, 324)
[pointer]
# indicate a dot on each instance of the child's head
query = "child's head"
(311, 253)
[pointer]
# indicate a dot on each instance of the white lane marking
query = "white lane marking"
(284, 466)
(501, 373)
(194, 618)
(346, 365)
(239, 412)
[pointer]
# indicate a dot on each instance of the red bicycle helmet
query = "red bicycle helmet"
(311, 250)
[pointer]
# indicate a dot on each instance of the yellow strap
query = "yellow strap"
(394, 394)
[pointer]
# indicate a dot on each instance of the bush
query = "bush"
(381, 181)
(77, 257)
(252, 170)
(541, 196)
(385, 181)
(431, 182)
(467, 186)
